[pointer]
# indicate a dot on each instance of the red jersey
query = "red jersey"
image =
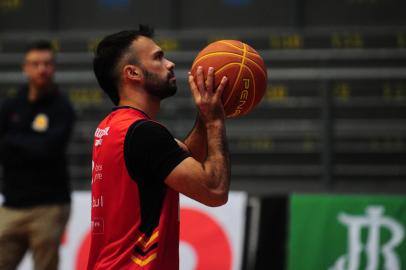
(119, 237)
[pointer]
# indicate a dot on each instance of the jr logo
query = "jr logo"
(373, 221)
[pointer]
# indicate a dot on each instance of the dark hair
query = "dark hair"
(108, 54)
(40, 45)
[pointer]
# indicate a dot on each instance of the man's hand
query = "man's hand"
(208, 100)
(206, 178)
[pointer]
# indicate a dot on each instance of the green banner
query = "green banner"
(329, 232)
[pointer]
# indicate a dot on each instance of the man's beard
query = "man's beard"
(161, 88)
(42, 82)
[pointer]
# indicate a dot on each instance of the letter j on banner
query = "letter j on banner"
(347, 232)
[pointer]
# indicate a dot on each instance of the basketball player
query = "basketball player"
(138, 167)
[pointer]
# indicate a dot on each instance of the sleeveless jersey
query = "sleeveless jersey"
(117, 238)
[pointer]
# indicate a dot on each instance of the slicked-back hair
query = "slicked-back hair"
(108, 54)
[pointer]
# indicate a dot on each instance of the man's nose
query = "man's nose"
(170, 64)
(42, 66)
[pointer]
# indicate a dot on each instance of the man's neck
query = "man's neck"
(35, 93)
(148, 107)
(141, 100)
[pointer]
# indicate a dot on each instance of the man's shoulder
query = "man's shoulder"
(123, 117)
(62, 102)
(148, 126)
(147, 131)
(62, 98)
(11, 101)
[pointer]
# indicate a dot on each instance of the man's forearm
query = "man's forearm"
(218, 161)
(196, 141)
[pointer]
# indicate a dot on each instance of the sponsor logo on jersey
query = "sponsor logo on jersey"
(99, 134)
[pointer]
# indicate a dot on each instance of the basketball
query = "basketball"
(244, 68)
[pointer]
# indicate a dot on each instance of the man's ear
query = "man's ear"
(132, 72)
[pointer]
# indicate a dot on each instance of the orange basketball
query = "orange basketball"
(244, 68)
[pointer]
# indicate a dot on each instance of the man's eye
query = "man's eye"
(159, 56)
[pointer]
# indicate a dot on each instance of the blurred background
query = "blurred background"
(332, 121)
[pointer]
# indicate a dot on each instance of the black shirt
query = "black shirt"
(33, 140)
(151, 153)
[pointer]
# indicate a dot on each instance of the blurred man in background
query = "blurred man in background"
(139, 169)
(34, 130)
